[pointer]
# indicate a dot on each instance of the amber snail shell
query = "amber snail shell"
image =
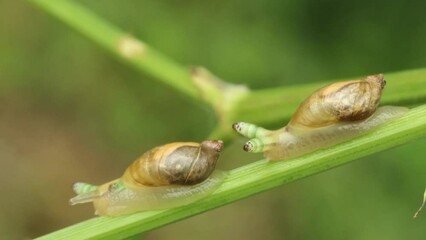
(171, 175)
(332, 114)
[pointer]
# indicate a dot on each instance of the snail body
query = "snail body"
(331, 115)
(167, 176)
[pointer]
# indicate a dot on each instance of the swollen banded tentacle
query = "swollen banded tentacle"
(260, 144)
(249, 130)
(81, 187)
(85, 193)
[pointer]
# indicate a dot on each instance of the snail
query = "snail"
(167, 176)
(331, 115)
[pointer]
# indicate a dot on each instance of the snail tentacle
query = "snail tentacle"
(81, 187)
(85, 193)
(250, 130)
(259, 144)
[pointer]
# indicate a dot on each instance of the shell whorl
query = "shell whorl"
(338, 102)
(182, 163)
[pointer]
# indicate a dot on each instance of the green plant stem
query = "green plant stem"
(255, 178)
(107, 36)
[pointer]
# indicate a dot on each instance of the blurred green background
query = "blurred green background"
(70, 112)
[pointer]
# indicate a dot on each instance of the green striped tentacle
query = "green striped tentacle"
(81, 187)
(260, 137)
(88, 192)
(254, 145)
(85, 193)
(249, 130)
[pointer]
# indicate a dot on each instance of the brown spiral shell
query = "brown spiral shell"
(181, 163)
(342, 101)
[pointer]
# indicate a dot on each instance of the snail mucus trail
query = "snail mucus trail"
(167, 176)
(333, 114)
